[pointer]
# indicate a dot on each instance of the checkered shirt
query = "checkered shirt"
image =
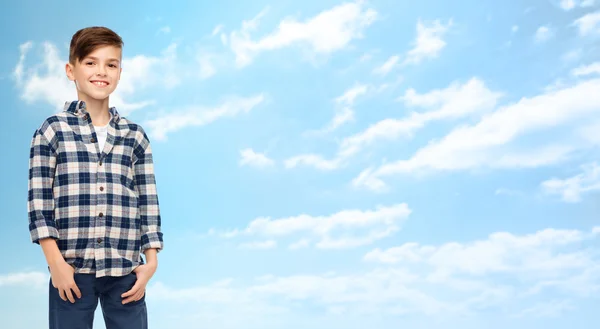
(101, 206)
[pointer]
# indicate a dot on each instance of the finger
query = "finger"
(129, 299)
(75, 288)
(132, 291)
(137, 296)
(61, 294)
(70, 296)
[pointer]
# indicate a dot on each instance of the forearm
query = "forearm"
(151, 256)
(51, 251)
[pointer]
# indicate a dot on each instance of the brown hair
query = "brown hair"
(89, 39)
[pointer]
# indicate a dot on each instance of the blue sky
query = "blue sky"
(368, 164)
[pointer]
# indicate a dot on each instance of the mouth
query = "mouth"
(99, 83)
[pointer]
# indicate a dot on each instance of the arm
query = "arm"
(51, 252)
(40, 209)
(40, 204)
(151, 258)
(152, 237)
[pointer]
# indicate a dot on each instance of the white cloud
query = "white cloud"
(487, 143)
(313, 160)
(456, 101)
(588, 24)
(164, 30)
(217, 30)
(571, 189)
(429, 41)
(572, 55)
(18, 72)
(48, 82)
(351, 94)
(377, 292)
(52, 87)
(509, 192)
(341, 117)
(552, 308)
(567, 4)
(588, 3)
(344, 112)
(453, 278)
(195, 116)
(268, 244)
(327, 32)
(143, 71)
(515, 28)
(543, 33)
(388, 66)
(207, 65)
(584, 70)
(344, 229)
(543, 253)
(251, 158)
(25, 279)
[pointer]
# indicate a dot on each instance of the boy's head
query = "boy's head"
(95, 62)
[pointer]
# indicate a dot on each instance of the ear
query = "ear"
(69, 70)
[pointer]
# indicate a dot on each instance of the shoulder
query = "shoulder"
(135, 129)
(53, 125)
(141, 141)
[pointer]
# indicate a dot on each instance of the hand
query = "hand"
(143, 274)
(63, 279)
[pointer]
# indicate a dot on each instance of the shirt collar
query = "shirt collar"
(77, 108)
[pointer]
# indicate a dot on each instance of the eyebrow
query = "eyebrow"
(110, 59)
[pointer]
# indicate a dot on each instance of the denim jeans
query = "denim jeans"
(107, 290)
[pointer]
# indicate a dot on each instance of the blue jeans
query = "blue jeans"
(80, 315)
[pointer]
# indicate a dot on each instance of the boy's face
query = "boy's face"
(97, 75)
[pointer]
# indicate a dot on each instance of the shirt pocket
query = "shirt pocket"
(121, 166)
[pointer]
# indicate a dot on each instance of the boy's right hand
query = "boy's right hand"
(63, 279)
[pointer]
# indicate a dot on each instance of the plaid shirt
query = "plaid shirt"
(101, 206)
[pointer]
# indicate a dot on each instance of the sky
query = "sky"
(337, 165)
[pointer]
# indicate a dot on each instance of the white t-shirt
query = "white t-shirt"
(102, 133)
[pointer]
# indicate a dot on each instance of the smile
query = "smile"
(100, 83)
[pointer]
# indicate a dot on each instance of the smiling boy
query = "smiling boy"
(92, 203)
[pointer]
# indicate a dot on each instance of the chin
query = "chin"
(99, 96)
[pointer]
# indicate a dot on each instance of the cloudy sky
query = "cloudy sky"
(337, 165)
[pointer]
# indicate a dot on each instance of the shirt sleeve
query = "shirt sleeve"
(148, 205)
(40, 205)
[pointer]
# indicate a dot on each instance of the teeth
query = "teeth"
(99, 83)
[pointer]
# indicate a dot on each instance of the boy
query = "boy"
(92, 203)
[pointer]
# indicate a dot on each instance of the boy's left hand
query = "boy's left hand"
(143, 273)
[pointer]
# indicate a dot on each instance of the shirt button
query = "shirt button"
(86, 117)
(100, 163)
(101, 188)
(93, 140)
(100, 214)
(99, 240)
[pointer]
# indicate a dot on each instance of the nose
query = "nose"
(101, 70)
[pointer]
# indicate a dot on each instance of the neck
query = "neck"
(98, 110)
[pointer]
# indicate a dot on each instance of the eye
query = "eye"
(112, 65)
(89, 63)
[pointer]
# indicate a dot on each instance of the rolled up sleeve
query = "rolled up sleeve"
(148, 205)
(40, 205)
